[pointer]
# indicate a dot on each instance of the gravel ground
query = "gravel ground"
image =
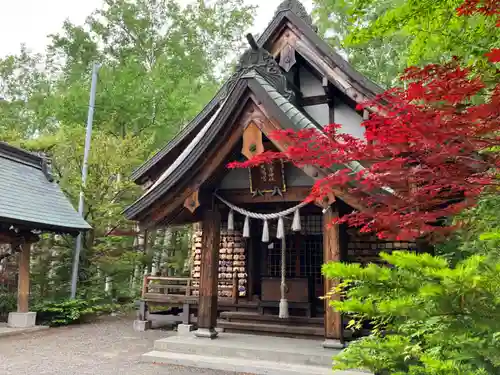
(109, 347)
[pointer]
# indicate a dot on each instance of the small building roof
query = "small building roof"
(30, 197)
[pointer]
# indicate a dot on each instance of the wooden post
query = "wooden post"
(331, 252)
(23, 282)
(250, 267)
(207, 307)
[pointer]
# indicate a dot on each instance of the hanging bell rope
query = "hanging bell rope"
(283, 309)
(280, 231)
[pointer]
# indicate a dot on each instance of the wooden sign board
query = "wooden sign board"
(267, 177)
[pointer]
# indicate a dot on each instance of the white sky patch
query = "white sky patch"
(30, 21)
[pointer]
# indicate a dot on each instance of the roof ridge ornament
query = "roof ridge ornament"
(47, 168)
(298, 9)
(261, 61)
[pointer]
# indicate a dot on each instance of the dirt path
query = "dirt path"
(105, 348)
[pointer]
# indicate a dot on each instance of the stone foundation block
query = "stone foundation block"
(21, 320)
(333, 344)
(142, 325)
(206, 333)
(183, 329)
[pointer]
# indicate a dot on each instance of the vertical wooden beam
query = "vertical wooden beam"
(250, 267)
(207, 307)
(23, 282)
(331, 253)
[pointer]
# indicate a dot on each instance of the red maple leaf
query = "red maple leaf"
(423, 158)
(494, 55)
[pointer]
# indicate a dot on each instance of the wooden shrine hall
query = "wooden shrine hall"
(31, 203)
(258, 249)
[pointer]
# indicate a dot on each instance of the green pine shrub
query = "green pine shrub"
(8, 303)
(430, 316)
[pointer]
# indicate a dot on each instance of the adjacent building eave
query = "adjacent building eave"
(30, 199)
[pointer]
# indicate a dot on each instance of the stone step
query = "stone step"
(258, 327)
(252, 348)
(236, 316)
(239, 365)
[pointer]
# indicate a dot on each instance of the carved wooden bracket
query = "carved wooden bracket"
(192, 202)
(326, 201)
(252, 141)
(287, 57)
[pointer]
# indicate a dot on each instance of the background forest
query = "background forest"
(161, 63)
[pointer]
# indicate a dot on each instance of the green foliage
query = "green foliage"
(69, 312)
(381, 59)
(430, 317)
(382, 37)
(8, 303)
(482, 224)
(431, 28)
(160, 64)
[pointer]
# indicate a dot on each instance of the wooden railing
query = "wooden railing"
(159, 286)
(176, 289)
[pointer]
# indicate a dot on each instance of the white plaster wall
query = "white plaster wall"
(320, 113)
(309, 84)
(240, 179)
(344, 115)
(349, 119)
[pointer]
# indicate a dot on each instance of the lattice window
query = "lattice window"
(274, 257)
(304, 255)
(312, 224)
(365, 249)
(311, 258)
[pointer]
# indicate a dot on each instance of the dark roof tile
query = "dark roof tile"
(28, 197)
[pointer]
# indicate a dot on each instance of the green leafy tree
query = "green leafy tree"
(24, 87)
(382, 37)
(431, 314)
(107, 192)
(160, 64)
(380, 58)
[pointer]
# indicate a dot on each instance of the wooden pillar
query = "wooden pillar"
(207, 307)
(251, 267)
(331, 252)
(23, 282)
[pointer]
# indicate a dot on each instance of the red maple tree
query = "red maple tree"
(427, 153)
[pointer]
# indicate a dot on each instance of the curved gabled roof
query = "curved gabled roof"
(275, 100)
(289, 10)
